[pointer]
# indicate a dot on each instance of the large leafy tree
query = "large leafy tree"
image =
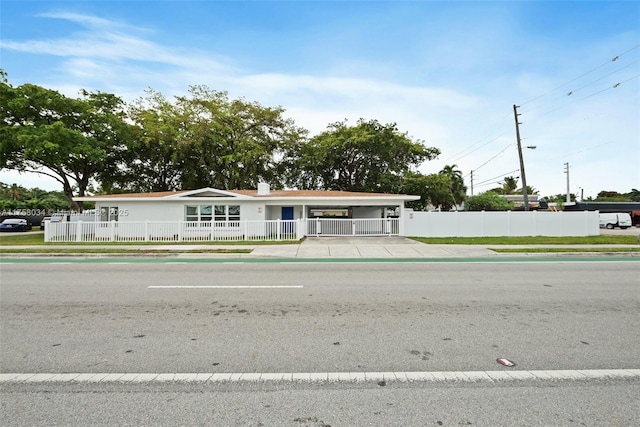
(155, 156)
(68, 139)
(433, 189)
(204, 139)
(369, 157)
(234, 144)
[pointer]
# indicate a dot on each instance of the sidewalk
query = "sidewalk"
(323, 247)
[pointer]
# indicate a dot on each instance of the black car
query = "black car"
(15, 224)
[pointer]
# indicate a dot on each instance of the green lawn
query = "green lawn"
(132, 251)
(38, 239)
(535, 240)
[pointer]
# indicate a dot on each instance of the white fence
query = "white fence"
(417, 224)
(353, 227)
(478, 224)
(175, 231)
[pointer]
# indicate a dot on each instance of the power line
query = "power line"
(491, 180)
(612, 87)
(572, 92)
(502, 151)
(455, 159)
(475, 146)
(614, 59)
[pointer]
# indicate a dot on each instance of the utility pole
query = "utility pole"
(471, 183)
(525, 196)
(566, 170)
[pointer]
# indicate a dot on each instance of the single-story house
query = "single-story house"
(299, 212)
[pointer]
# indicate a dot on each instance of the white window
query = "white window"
(108, 213)
(198, 213)
(227, 213)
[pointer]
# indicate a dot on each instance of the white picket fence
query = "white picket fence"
(419, 224)
(174, 231)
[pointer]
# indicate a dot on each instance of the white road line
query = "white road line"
(313, 377)
(228, 287)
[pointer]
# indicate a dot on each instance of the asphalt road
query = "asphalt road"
(320, 317)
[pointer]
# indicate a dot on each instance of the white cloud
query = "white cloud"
(470, 124)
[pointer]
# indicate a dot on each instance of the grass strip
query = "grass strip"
(565, 250)
(122, 251)
(607, 239)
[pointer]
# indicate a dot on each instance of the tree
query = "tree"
(457, 189)
(155, 155)
(204, 140)
(68, 139)
(612, 196)
(366, 157)
(488, 201)
(433, 189)
(234, 144)
(16, 197)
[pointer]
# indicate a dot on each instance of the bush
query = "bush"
(488, 201)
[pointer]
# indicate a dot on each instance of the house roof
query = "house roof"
(243, 194)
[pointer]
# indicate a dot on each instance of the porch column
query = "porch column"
(401, 220)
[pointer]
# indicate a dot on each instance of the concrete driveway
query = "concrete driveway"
(369, 247)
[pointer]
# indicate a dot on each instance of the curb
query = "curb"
(318, 377)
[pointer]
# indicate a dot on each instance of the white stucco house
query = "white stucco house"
(212, 214)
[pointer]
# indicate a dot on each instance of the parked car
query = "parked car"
(43, 222)
(618, 219)
(15, 224)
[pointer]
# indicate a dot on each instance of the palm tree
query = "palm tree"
(16, 192)
(457, 188)
(509, 185)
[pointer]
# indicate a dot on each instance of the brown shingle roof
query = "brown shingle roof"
(139, 195)
(310, 193)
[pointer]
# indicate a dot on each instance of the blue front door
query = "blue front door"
(287, 215)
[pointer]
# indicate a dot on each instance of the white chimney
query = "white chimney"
(263, 189)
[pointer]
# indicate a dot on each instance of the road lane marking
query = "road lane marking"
(227, 287)
(311, 377)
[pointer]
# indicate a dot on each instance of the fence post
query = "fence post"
(112, 231)
(146, 231)
(318, 227)
(180, 230)
(79, 231)
(279, 228)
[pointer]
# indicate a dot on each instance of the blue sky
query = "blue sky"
(447, 72)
